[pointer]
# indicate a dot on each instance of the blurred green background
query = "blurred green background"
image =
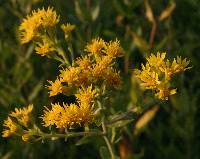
(173, 133)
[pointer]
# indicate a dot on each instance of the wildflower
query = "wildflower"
(175, 67)
(55, 87)
(113, 49)
(31, 25)
(29, 28)
(67, 29)
(86, 114)
(157, 73)
(96, 46)
(99, 69)
(70, 75)
(156, 60)
(10, 127)
(23, 114)
(84, 62)
(113, 78)
(51, 117)
(44, 49)
(86, 95)
(149, 79)
(49, 17)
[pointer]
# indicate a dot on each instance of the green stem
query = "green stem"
(68, 134)
(108, 143)
(62, 54)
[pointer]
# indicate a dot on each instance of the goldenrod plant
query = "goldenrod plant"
(90, 79)
(158, 72)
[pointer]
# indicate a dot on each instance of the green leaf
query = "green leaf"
(83, 140)
(120, 123)
(104, 152)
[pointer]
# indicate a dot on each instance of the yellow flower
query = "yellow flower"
(23, 114)
(86, 95)
(67, 29)
(99, 69)
(86, 114)
(29, 28)
(156, 60)
(113, 49)
(55, 87)
(10, 127)
(178, 65)
(70, 75)
(96, 46)
(49, 17)
(31, 25)
(84, 62)
(149, 79)
(157, 73)
(44, 49)
(113, 78)
(51, 117)
(67, 116)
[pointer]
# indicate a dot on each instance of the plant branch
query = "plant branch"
(110, 148)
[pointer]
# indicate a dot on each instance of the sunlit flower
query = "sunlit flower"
(96, 46)
(84, 62)
(157, 73)
(67, 29)
(70, 75)
(55, 87)
(53, 115)
(149, 79)
(86, 95)
(33, 23)
(156, 60)
(44, 49)
(10, 127)
(23, 114)
(113, 49)
(67, 115)
(49, 17)
(99, 69)
(29, 27)
(86, 114)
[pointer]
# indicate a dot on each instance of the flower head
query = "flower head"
(23, 114)
(70, 75)
(113, 49)
(96, 46)
(44, 49)
(67, 29)
(51, 117)
(10, 127)
(86, 95)
(99, 69)
(157, 74)
(39, 19)
(55, 87)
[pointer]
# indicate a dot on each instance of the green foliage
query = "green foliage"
(174, 130)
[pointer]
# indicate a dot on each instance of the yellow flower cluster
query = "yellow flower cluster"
(16, 119)
(39, 19)
(67, 29)
(94, 68)
(69, 115)
(156, 74)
